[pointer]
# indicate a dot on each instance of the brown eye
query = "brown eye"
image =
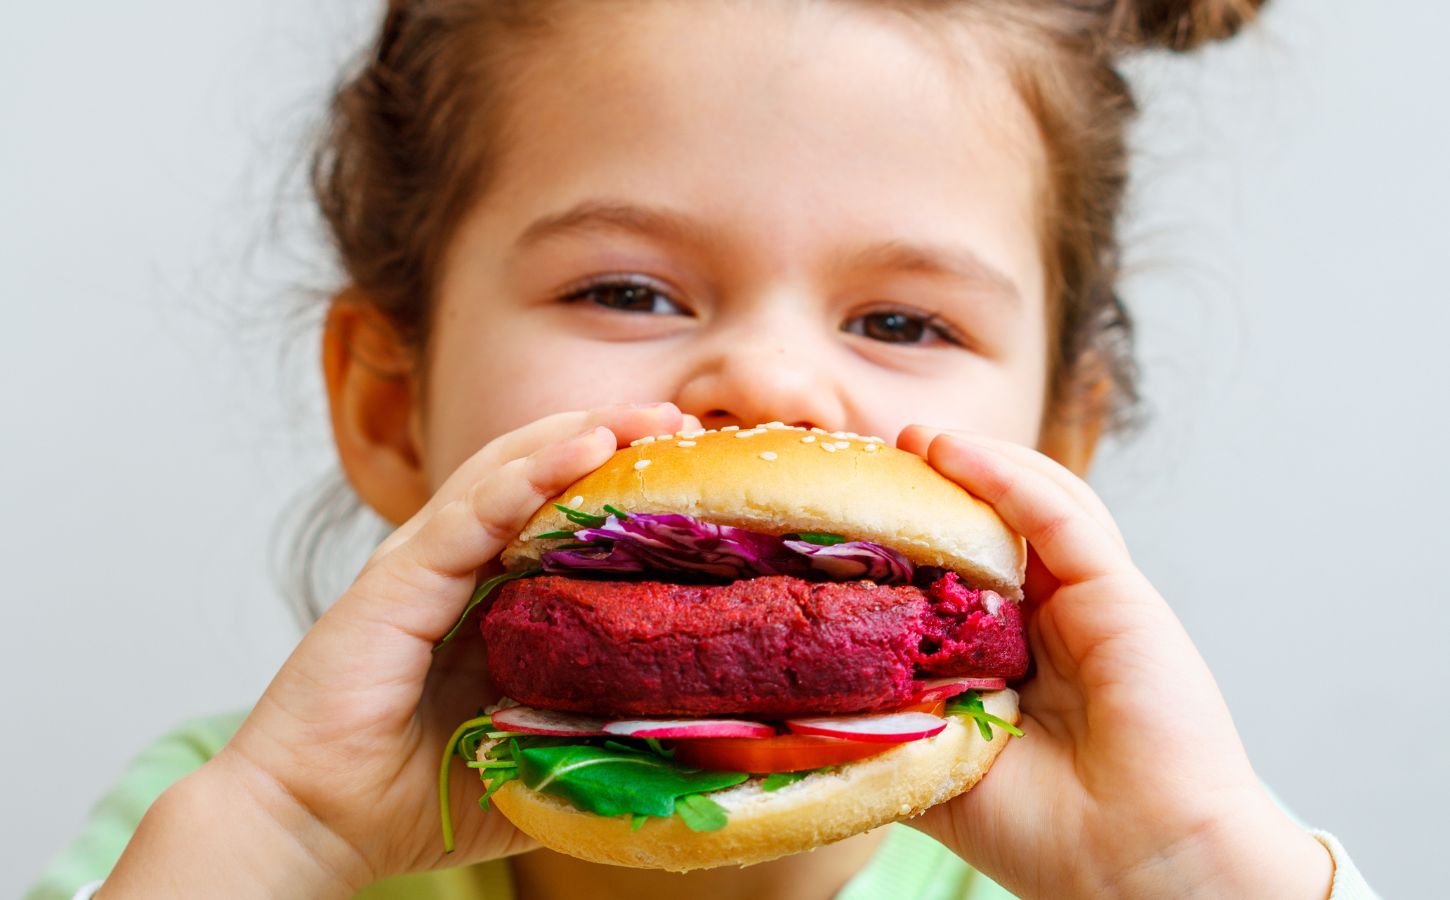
(899, 327)
(626, 296)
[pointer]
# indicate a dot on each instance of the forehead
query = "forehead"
(787, 127)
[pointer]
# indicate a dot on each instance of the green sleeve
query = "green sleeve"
(911, 866)
(91, 856)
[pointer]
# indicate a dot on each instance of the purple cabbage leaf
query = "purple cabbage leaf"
(672, 544)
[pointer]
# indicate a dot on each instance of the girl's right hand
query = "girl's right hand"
(330, 784)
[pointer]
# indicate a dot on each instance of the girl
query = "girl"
(567, 225)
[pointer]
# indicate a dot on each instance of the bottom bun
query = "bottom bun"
(819, 809)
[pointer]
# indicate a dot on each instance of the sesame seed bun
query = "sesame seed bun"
(822, 808)
(778, 479)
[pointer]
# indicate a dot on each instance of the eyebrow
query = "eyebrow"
(609, 215)
(952, 262)
(957, 263)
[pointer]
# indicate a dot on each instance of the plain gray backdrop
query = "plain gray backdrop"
(1288, 240)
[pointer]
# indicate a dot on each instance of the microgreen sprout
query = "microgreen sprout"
(970, 705)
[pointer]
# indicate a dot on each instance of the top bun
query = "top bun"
(778, 479)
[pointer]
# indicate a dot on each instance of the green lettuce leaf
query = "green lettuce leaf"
(822, 539)
(777, 780)
(700, 813)
(478, 597)
(616, 782)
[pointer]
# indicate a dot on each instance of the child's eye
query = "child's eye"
(899, 326)
(627, 296)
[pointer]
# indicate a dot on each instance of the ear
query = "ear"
(1070, 434)
(372, 391)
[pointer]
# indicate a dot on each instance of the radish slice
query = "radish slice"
(528, 720)
(887, 728)
(689, 728)
(942, 688)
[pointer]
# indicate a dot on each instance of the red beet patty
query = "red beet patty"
(768, 647)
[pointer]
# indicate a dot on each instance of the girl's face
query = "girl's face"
(813, 213)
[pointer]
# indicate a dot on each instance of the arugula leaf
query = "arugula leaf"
(554, 535)
(478, 597)
(469, 741)
(609, 778)
(822, 539)
(612, 782)
(970, 706)
(497, 780)
(580, 517)
(616, 512)
(777, 780)
(700, 813)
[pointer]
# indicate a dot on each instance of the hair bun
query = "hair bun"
(1178, 25)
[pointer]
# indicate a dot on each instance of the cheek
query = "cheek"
(1002, 396)
(485, 380)
(992, 401)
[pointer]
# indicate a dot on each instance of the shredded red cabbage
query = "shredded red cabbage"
(674, 544)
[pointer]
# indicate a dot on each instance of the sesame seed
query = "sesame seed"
(664, 437)
(685, 444)
(641, 465)
(829, 448)
(773, 426)
(870, 448)
(768, 455)
(843, 445)
(746, 434)
(731, 428)
(577, 501)
(816, 430)
(838, 434)
(647, 439)
(692, 434)
(808, 439)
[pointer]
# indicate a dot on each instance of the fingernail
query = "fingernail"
(652, 405)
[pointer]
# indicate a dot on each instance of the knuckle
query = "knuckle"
(1053, 528)
(535, 472)
(483, 506)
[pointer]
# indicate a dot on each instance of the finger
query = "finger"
(628, 422)
(1072, 544)
(435, 567)
(916, 439)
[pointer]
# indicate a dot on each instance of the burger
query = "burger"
(726, 646)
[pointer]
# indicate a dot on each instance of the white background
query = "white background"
(160, 408)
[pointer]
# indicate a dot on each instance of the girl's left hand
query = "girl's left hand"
(1131, 779)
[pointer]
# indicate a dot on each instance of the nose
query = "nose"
(763, 374)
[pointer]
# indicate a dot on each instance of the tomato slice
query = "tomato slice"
(784, 752)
